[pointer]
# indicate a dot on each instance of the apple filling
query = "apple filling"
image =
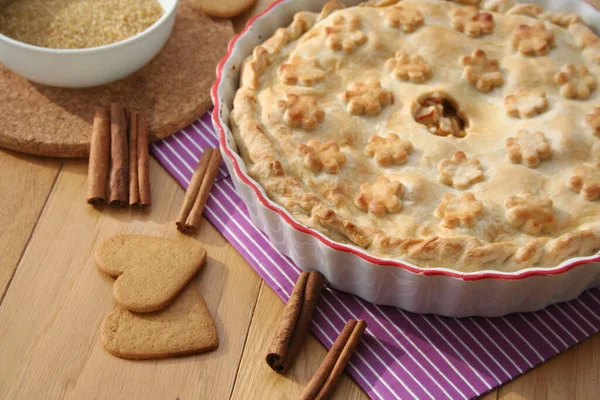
(441, 115)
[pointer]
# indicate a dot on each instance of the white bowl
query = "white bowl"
(351, 269)
(79, 68)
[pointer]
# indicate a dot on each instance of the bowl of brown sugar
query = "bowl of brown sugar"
(82, 43)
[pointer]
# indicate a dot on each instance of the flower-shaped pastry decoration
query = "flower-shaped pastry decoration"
(500, 6)
(593, 121)
(531, 10)
(457, 211)
(526, 103)
(301, 111)
(302, 71)
(406, 67)
(480, 71)
(380, 197)
(460, 171)
(533, 40)
(586, 180)
(575, 82)
(408, 20)
(319, 156)
(564, 19)
(472, 22)
(532, 214)
(388, 150)
(345, 34)
(528, 147)
(366, 98)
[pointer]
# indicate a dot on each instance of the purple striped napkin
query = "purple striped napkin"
(402, 355)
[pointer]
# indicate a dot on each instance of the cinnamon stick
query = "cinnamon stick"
(134, 190)
(195, 218)
(143, 162)
(324, 380)
(293, 326)
(99, 158)
(117, 193)
(192, 191)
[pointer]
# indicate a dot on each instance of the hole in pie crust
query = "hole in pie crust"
(441, 114)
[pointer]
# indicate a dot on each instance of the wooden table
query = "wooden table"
(53, 300)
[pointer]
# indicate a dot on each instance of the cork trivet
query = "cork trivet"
(171, 91)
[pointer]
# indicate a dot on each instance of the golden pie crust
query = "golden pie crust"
(447, 134)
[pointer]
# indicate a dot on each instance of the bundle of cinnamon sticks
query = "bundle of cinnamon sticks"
(293, 328)
(118, 165)
(190, 216)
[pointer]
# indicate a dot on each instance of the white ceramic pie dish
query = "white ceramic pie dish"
(80, 68)
(351, 269)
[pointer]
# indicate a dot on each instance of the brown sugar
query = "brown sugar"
(76, 24)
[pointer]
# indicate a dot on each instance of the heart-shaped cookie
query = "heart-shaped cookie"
(184, 327)
(151, 271)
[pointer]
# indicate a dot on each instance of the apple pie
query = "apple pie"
(460, 134)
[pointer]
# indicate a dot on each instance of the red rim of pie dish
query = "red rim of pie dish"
(468, 276)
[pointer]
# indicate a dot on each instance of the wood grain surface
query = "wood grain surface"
(53, 309)
(25, 183)
(54, 299)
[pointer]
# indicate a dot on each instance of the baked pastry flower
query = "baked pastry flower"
(301, 111)
(388, 150)
(457, 211)
(319, 156)
(471, 21)
(564, 19)
(405, 67)
(575, 82)
(526, 103)
(366, 98)
(530, 147)
(499, 6)
(593, 121)
(586, 180)
(480, 71)
(533, 40)
(530, 213)
(303, 71)
(460, 171)
(531, 10)
(380, 197)
(345, 34)
(408, 20)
